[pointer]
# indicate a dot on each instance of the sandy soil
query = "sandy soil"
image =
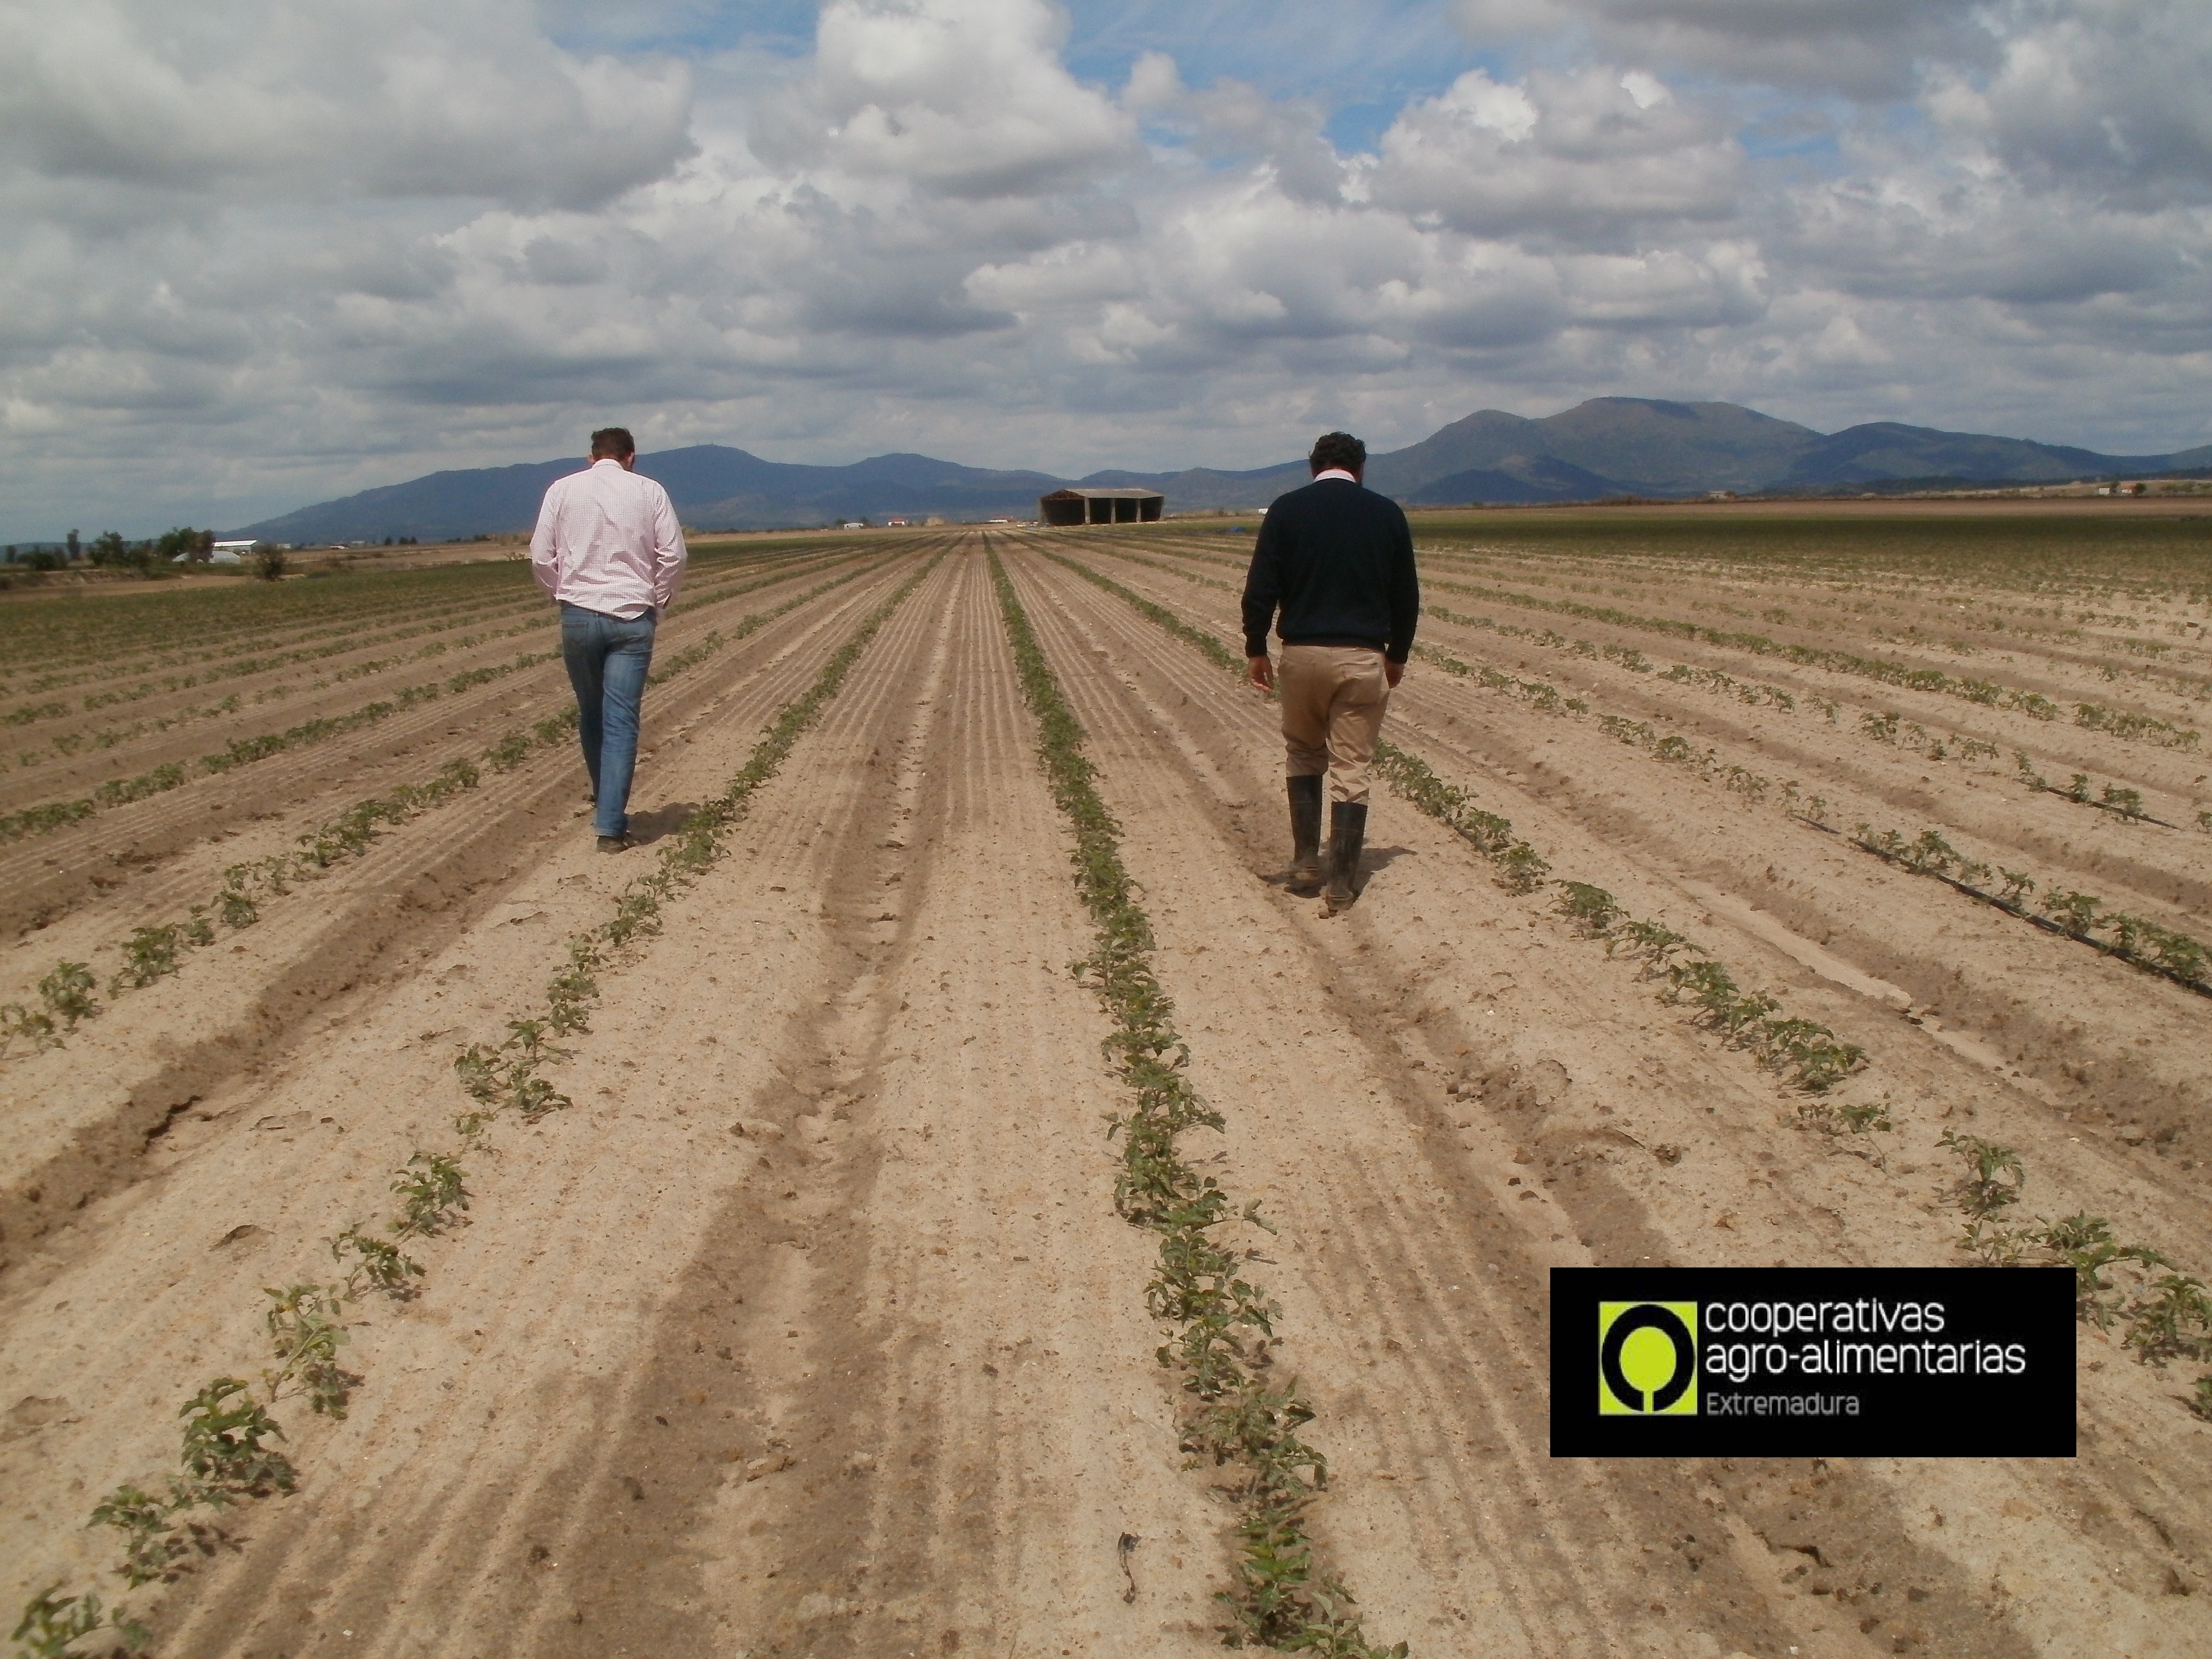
(810, 1327)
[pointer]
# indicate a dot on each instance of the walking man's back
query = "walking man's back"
(609, 552)
(1336, 561)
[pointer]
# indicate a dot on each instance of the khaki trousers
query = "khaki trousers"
(1333, 698)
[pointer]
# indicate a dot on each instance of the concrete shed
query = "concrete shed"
(1101, 507)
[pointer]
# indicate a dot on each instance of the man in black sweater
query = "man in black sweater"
(1337, 561)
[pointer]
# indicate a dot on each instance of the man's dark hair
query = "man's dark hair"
(614, 443)
(1338, 449)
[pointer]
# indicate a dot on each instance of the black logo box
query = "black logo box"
(2021, 1406)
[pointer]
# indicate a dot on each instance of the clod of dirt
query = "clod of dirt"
(1540, 1085)
(32, 1413)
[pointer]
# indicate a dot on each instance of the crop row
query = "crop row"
(71, 628)
(1754, 692)
(1711, 679)
(339, 640)
(2147, 946)
(101, 631)
(2119, 723)
(2166, 1316)
(258, 653)
(151, 953)
(2120, 801)
(226, 1456)
(1815, 1057)
(1934, 619)
(263, 645)
(2132, 726)
(181, 627)
(1223, 1323)
(2043, 569)
(507, 1077)
(62, 744)
(1635, 662)
(245, 751)
(1812, 1054)
(1887, 726)
(241, 751)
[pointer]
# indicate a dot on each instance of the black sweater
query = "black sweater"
(1338, 560)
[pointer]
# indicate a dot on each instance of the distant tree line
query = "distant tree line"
(112, 550)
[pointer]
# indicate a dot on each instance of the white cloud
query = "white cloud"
(264, 254)
(343, 98)
(2107, 94)
(1582, 158)
(966, 99)
(1863, 48)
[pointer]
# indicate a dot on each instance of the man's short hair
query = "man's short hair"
(614, 443)
(1338, 449)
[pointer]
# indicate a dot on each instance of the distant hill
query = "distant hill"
(713, 486)
(1606, 447)
(1648, 446)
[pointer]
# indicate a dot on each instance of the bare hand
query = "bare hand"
(1261, 673)
(1393, 672)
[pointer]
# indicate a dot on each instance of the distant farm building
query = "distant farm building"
(1101, 507)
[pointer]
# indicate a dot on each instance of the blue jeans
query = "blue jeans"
(607, 658)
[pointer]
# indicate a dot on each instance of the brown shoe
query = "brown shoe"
(621, 843)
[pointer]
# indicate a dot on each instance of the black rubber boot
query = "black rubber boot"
(1305, 872)
(1347, 829)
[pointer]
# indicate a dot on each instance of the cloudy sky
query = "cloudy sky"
(255, 253)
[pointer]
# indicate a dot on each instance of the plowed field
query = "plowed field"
(741, 1263)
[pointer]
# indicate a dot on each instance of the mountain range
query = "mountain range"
(1606, 447)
